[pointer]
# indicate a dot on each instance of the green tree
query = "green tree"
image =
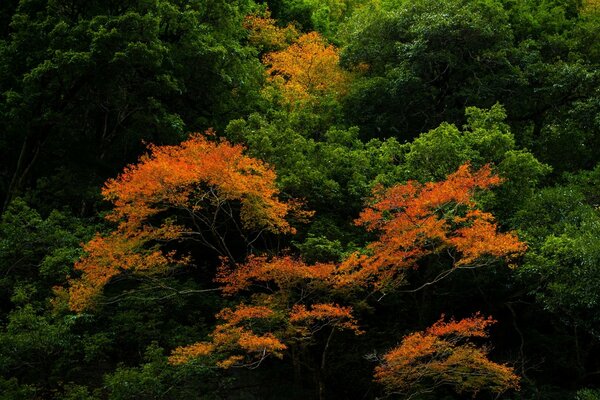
(85, 82)
(425, 61)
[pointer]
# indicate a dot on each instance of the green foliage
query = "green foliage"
(324, 16)
(11, 390)
(37, 253)
(485, 138)
(562, 265)
(423, 62)
(85, 82)
(446, 54)
(38, 350)
(588, 394)
(156, 379)
(333, 172)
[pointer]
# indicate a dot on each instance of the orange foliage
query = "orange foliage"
(285, 272)
(181, 355)
(442, 355)
(263, 33)
(192, 174)
(199, 177)
(120, 251)
(467, 327)
(250, 333)
(321, 315)
(415, 220)
(309, 67)
(238, 334)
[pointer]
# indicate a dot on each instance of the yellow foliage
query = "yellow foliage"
(306, 69)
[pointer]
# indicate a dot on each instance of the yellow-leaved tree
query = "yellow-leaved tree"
(307, 69)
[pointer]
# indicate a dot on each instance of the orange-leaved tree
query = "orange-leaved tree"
(412, 221)
(445, 354)
(249, 334)
(200, 190)
(415, 220)
(307, 69)
(287, 310)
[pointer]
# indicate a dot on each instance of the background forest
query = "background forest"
(383, 199)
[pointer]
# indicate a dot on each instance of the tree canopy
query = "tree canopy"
(299, 199)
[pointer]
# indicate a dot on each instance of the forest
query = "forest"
(299, 199)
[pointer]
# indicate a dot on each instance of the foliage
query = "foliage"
(426, 61)
(307, 68)
(433, 141)
(201, 179)
(36, 253)
(85, 82)
(326, 17)
(444, 355)
(415, 221)
(264, 34)
(447, 54)
(275, 321)
(156, 379)
(562, 267)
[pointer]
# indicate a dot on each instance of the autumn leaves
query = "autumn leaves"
(445, 355)
(205, 191)
(199, 191)
(302, 69)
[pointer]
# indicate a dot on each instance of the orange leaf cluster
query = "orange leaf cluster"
(193, 173)
(415, 220)
(184, 354)
(109, 256)
(237, 334)
(284, 272)
(250, 333)
(197, 174)
(442, 355)
(475, 326)
(309, 67)
(321, 315)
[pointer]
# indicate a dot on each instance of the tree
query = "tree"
(562, 224)
(288, 314)
(331, 168)
(427, 61)
(287, 308)
(445, 355)
(37, 252)
(325, 17)
(307, 68)
(85, 82)
(264, 34)
(416, 220)
(423, 62)
(291, 301)
(209, 186)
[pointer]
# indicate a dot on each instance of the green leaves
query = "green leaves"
(96, 80)
(36, 253)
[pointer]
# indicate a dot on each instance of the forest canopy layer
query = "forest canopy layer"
(299, 199)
